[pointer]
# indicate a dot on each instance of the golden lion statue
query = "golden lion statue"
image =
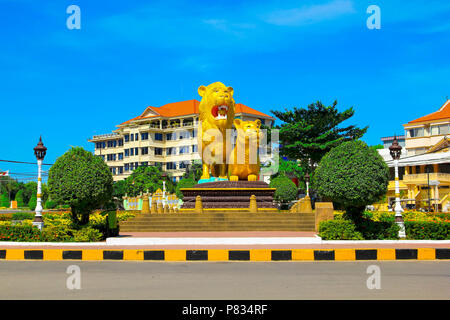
(216, 116)
(244, 161)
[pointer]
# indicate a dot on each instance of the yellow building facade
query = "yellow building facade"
(165, 136)
(424, 167)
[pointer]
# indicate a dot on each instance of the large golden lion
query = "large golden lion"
(216, 116)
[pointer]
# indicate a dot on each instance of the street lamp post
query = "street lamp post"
(396, 150)
(39, 152)
(307, 184)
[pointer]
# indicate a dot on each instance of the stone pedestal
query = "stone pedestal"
(229, 195)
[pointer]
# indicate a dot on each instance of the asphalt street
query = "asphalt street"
(223, 280)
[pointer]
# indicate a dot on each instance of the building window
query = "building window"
(111, 157)
(120, 156)
(132, 137)
(126, 137)
(144, 150)
(183, 165)
(136, 151)
(440, 129)
(136, 136)
(194, 148)
(169, 136)
(127, 167)
(98, 145)
(416, 132)
(145, 164)
(183, 135)
(103, 157)
(158, 151)
(127, 152)
(158, 136)
(194, 133)
(171, 151)
(120, 142)
(112, 143)
(171, 165)
(120, 170)
(144, 136)
(132, 152)
(184, 150)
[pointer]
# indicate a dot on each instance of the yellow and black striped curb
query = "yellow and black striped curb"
(227, 255)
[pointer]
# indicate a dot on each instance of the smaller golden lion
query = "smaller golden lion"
(244, 159)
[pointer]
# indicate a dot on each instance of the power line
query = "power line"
(22, 162)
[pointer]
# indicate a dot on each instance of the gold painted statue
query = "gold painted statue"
(216, 116)
(244, 161)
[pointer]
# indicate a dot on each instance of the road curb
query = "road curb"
(356, 254)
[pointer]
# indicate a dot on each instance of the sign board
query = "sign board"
(434, 183)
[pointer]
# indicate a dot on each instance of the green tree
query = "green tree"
(29, 189)
(119, 189)
(147, 178)
(286, 189)
(81, 180)
(4, 200)
(33, 202)
(308, 134)
(352, 175)
(19, 199)
(184, 183)
(377, 146)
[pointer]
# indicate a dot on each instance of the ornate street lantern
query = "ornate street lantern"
(396, 150)
(39, 151)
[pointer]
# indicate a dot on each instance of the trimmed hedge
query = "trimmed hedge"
(427, 230)
(20, 233)
(339, 230)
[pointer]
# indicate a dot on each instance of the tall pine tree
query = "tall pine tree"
(308, 134)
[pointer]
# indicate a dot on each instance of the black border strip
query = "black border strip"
(72, 254)
(239, 255)
(281, 255)
(33, 254)
(442, 253)
(327, 255)
(366, 254)
(112, 254)
(196, 255)
(406, 254)
(154, 255)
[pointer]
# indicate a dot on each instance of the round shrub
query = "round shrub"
(19, 199)
(352, 175)
(33, 202)
(49, 204)
(82, 180)
(4, 201)
(286, 189)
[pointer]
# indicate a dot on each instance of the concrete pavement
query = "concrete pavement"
(225, 280)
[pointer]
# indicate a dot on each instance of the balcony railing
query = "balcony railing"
(422, 178)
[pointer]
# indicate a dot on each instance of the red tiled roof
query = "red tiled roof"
(184, 108)
(442, 113)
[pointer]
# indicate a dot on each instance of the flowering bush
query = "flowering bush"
(58, 227)
(427, 230)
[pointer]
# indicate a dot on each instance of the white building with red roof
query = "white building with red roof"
(165, 135)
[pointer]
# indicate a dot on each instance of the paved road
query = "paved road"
(225, 280)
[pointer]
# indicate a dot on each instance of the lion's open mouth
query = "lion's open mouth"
(220, 112)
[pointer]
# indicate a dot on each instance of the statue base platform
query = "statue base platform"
(229, 195)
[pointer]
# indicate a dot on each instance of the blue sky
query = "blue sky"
(71, 84)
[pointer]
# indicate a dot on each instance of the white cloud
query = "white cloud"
(310, 14)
